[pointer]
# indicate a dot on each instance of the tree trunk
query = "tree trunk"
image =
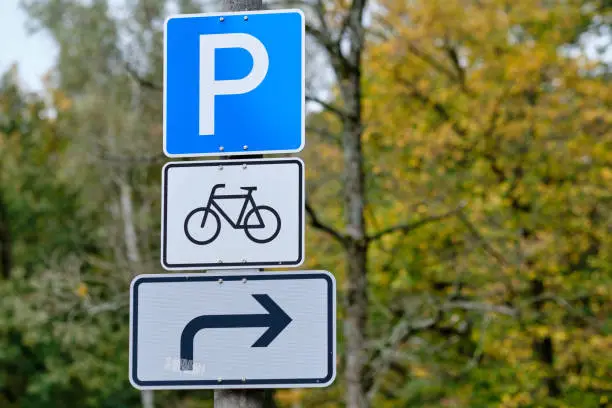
(354, 326)
(147, 397)
(356, 300)
(543, 348)
(129, 230)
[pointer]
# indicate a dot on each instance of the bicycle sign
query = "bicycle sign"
(233, 214)
(253, 220)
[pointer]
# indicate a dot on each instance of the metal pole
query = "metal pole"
(243, 398)
(242, 5)
(240, 398)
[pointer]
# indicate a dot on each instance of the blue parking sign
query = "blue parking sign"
(234, 83)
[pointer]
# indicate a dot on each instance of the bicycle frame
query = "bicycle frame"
(248, 198)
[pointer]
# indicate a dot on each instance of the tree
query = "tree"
(487, 107)
(42, 223)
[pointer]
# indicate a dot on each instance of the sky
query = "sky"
(35, 53)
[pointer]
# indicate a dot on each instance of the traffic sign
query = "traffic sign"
(233, 84)
(238, 214)
(237, 330)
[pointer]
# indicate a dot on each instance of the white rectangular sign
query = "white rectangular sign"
(237, 330)
(236, 214)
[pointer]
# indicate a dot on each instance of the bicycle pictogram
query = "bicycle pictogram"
(203, 224)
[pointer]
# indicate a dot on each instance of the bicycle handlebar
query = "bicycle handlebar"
(217, 186)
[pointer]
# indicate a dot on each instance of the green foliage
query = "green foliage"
(44, 223)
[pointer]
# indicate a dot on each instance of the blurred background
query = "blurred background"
(459, 167)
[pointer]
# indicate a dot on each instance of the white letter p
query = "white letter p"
(209, 87)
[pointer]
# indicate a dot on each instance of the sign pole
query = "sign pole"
(242, 5)
(240, 398)
(244, 398)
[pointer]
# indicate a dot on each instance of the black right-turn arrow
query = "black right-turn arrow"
(275, 320)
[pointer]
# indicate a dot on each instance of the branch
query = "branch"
(324, 39)
(107, 307)
(331, 108)
(316, 223)
(340, 64)
(488, 135)
(153, 159)
(431, 60)
(480, 307)
(593, 322)
(492, 251)
(407, 326)
(411, 226)
(354, 21)
(454, 57)
(382, 357)
(325, 134)
(319, 9)
(142, 81)
(479, 351)
(440, 109)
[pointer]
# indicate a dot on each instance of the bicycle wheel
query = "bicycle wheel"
(271, 223)
(198, 233)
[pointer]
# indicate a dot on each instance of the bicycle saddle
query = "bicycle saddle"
(253, 188)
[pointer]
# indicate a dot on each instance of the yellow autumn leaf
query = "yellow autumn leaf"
(82, 290)
(420, 372)
(288, 397)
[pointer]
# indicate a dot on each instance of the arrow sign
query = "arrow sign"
(275, 320)
(235, 329)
